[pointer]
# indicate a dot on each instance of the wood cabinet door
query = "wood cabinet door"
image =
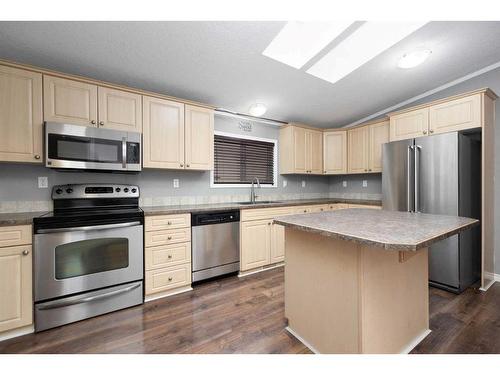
(335, 152)
(65, 100)
(357, 150)
(21, 123)
(455, 115)
(16, 308)
(277, 243)
(120, 110)
(314, 158)
(409, 124)
(199, 133)
(299, 150)
(163, 134)
(379, 134)
(255, 244)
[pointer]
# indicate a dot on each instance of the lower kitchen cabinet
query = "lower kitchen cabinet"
(255, 244)
(16, 307)
(277, 243)
(168, 278)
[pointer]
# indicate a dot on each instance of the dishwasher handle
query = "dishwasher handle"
(213, 218)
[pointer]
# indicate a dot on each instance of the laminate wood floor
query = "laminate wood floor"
(246, 315)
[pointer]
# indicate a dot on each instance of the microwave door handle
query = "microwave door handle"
(124, 152)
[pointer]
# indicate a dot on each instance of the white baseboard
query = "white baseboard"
(408, 348)
(262, 269)
(494, 277)
(17, 332)
(298, 337)
(167, 293)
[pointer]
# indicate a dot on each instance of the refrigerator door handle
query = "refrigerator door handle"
(409, 205)
(417, 178)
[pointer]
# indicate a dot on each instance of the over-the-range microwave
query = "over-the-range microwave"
(70, 146)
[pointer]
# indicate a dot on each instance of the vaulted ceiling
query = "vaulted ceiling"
(221, 63)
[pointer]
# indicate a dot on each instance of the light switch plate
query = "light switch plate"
(365, 183)
(303, 183)
(43, 182)
(176, 182)
(344, 183)
(285, 183)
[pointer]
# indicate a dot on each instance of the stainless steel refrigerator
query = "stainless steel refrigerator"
(439, 174)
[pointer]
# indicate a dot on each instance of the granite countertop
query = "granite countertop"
(181, 209)
(391, 230)
(19, 218)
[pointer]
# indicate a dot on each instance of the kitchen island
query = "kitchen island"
(356, 280)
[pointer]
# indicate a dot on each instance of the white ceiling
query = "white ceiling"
(221, 63)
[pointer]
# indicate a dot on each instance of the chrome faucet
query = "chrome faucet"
(252, 191)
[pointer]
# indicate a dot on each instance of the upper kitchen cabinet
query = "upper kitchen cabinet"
(163, 133)
(120, 110)
(410, 124)
(69, 101)
(20, 115)
(455, 115)
(378, 135)
(335, 152)
(358, 141)
(301, 150)
(199, 138)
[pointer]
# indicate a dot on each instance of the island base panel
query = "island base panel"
(343, 297)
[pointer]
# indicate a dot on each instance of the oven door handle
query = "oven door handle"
(88, 228)
(59, 304)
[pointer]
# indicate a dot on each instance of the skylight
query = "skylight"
(298, 42)
(368, 41)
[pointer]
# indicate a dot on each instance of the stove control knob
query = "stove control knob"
(69, 190)
(125, 190)
(118, 189)
(59, 191)
(134, 190)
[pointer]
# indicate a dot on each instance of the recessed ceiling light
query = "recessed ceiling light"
(366, 42)
(257, 109)
(414, 58)
(298, 42)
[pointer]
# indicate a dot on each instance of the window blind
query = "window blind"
(239, 161)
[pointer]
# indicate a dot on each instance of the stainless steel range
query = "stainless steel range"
(88, 253)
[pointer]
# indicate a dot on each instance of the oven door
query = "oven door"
(82, 147)
(74, 260)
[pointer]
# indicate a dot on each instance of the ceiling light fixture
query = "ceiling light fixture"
(298, 42)
(414, 58)
(257, 109)
(366, 42)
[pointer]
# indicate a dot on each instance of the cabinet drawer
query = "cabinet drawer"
(167, 222)
(265, 213)
(168, 278)
(302, 209)
(337, 206)
(319, 208)
(169, 236)
(167, 255)
(17, 235)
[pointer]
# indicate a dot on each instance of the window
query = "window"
(238, 160)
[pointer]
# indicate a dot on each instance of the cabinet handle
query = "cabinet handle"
(187, 165)
(101, 123)
(369, 170)
(431, 131)
(169, 256)
(182, 165)
(425, 132)
(169, 237)
(305, 211)
(269, 223)
(26, 252)
(169, 223)
(170, 279)
(321, 209)
(92, 122)
(324, 172)
(366, 170)
(37, 157)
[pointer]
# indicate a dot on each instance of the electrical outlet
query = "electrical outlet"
(43, 182)
(344, 183)
(285, 183)
(365, 183)
(176, 182)
(303, 183)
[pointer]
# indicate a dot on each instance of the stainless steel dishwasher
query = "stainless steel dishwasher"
(215, 241)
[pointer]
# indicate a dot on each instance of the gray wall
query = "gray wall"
(18, 182)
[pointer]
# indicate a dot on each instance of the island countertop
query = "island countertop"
(391, 230)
